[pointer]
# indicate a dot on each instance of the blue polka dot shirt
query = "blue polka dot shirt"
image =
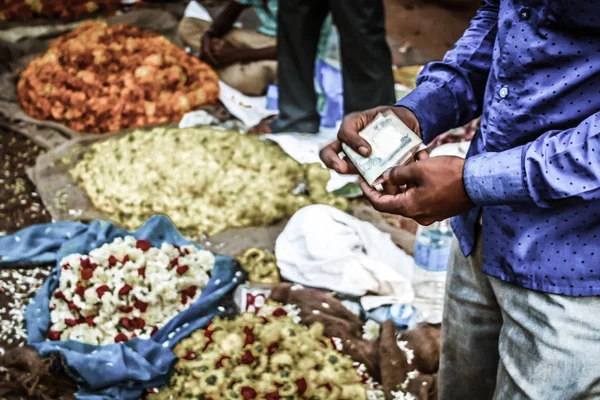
(532, 69)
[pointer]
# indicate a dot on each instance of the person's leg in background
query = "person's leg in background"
(366, 57)
(470, 329)
(298, 32)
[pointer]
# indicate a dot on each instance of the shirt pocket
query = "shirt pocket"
(582, 14)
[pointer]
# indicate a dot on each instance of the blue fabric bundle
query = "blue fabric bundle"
(121, 370)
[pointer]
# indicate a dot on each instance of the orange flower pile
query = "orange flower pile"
(23, 10)
(102, 78)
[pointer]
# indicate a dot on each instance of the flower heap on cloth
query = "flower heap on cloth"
(22, 10)
(206, 180)
(120, 370)
(102, 78)
(125, 289)
(265, 356)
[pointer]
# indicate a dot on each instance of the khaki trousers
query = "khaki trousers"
(251, 78)
(503, 342)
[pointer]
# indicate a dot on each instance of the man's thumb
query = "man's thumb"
(402, 175)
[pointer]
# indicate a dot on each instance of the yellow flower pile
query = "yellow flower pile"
(263, 357)
(261, 266)
(206, 180)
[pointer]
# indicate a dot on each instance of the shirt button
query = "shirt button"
(503, 92)
(524, 14)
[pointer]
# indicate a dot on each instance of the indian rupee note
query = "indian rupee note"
(392, 143)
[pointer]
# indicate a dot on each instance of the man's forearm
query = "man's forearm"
(226, 18)
(264, 53)
(247, 55)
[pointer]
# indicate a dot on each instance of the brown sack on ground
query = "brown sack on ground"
(424, 387)
(425, 340)
(23, 373)
(393, 364)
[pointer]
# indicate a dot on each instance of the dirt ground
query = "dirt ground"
(420, 31)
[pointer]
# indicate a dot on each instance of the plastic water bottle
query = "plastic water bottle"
(432, 251)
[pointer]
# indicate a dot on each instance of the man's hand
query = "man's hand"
(348, 133)
(428, 190)
(207, 48)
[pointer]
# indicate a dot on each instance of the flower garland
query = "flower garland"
(125, 289)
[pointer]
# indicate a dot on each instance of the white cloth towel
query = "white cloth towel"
(327, 248)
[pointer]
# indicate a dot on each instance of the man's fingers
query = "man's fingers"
(403, 175)
(393, 204)
(422, 155)
(330, 156)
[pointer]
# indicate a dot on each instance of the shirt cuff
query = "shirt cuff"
(430, 102)
(496, 178)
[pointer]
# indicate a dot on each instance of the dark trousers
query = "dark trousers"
(366, 59)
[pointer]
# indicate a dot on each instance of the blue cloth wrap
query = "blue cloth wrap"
(119, 371)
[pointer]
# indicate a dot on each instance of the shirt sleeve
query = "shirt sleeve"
(560, 167)
(450, 93)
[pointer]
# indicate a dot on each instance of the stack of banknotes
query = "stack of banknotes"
(392, 143)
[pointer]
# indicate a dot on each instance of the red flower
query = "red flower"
(174, 261)
(54, 335)
(87, 274)
(73, 306)
(125, 259)
(101, 290)
(138, 323)
(143, 245)
(190, 291)
(154, 330)
(112, 261)
(273, 396)
(190, 356)
(85, 262)
(125, 290)
(279, 312)
(208, 333)
(142, 272)
(90, 320)
(249, 335)
(59, 295)
(272, 348)
(52, 307)
(140, 305)
(66, 267)
(248, 358)
(80, 290)
(70, 322)
(126, 322)
(302, 386)
(133, 335)
(121, 337)
(184, 299)
(125, 308)
(248, 393)
(182, 269)
(219, 364)
(93, 266)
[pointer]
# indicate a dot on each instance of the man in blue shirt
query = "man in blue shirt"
(521, 312)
